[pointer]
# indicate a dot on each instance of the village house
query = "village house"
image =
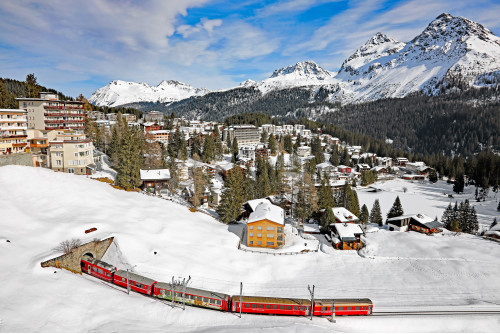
(303, 151)
(129, 117)
(265, 226)
(344, 169)
(112, 116)
(384, 161)
(151, 126)
(155, 179)
(342, 215)
(413, 177)
(401, 162)
(416, 222)
(346, 236)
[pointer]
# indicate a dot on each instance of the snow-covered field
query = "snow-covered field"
(41, 208)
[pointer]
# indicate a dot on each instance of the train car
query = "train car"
(343, 307)
(196, 297)
(97, 268)
(271, 305)
(138, 283)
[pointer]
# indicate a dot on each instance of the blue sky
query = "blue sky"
(79, 46)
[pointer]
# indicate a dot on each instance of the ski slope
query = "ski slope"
(41, 208)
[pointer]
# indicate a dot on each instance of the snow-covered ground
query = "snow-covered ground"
(41, 208)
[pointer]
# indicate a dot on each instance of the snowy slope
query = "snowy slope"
(119, 92)
(40, 208)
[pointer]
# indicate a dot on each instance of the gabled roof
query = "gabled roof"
(347, 232)
(267, 211)
(255, 202)
(155, 174)
(343, 215)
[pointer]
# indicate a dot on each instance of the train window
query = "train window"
(139, 285)
(282, 307)
(199, 299)
(349, 308)
(246, 305)
(261, 306)
(218, 302)
(275, 307)
(323, 308)
(288, 307)
(108, 275)
(254, 305)
(205, 300)
(357, 308)
(296, 308)
(268, 306)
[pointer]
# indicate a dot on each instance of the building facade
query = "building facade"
(50, 113)
(13, 126)
(244, 134)
(265, 226)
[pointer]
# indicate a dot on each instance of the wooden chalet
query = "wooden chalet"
(346, 236)
(418, 222)
(155, 179)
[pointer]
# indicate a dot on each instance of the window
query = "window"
(250, 227)
(275, 307)
(288, 307)
(205, 300)
(251, 234)
(261, 306)
(259, 242)
(139, 285)
(270, 243)
(246, 305)
(270, 235)
(268, 306)
(251, 242)
(323, 308)
(58, 162)
(259, 235)
(357, 308)
(259, 227)
(254, 305)
(295, 308)
(270, 228)
(282, 307)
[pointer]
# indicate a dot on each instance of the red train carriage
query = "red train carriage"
(343, 307)
(196, 297)
(138, 283)
(97, 268)
(269, 305)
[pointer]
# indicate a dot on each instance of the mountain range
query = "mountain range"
(452, 53)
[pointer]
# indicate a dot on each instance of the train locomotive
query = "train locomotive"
(223, 302)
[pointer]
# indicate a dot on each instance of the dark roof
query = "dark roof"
(193, 291)
(433, 224)
(135, 277)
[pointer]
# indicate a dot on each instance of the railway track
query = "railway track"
(436, 313)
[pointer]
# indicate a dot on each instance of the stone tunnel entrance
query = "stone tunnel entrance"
(72, 260)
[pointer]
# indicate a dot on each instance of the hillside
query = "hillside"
(62, 206)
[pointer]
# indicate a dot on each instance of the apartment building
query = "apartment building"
(50, 113)
(265, 226)
(244, 134)
(13, 126)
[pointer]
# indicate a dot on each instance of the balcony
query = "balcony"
(19, 144)
(60, 114)
(63, 107)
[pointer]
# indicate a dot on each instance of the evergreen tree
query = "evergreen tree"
(130, 158)
(287, 144)
(208, 154)
(182, 152)
(376, 214)
(31, 86)
(196, 146)
(447, 218)
(327, 218)
(199, 187)
(262, 178)
(218, 143)
(325, 196)
(334, 157)
(317, 150)
(396, 210)
(234, 150)
(272, 144)
(433, 176)
(354, 203)
(365, 215)
(458, 185)
(498, 207)
(233, 196)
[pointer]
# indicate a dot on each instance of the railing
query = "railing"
(62, 107)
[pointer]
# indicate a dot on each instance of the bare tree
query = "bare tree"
(67, 246)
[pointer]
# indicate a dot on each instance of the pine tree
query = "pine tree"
(262, 178)
(354, 203)
(376, 214)
(433, 176)
(234, 150)
(199, 187)
(208, 154)
(287, 145)
(365, 215)
(196, 146)
(334, 157)
(447, 217)
(31, 86)
(218, 143)
(325, 196)
(272, 144)
(130, 158)
(233, 196)
(182, 152)
(327, 218)
(458, 185)
(396, 210)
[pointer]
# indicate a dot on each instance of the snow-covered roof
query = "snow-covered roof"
(347, 232)
(227, 167)
(255, 202)
(343, 215)
(155, 174)
(268, 211)
(311, 228)
(426, 220)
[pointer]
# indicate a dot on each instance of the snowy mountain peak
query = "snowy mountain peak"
(380, 38)
(119, 92)
(248, 83)
(304, 69)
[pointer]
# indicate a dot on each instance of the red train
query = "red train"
(224, 302)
